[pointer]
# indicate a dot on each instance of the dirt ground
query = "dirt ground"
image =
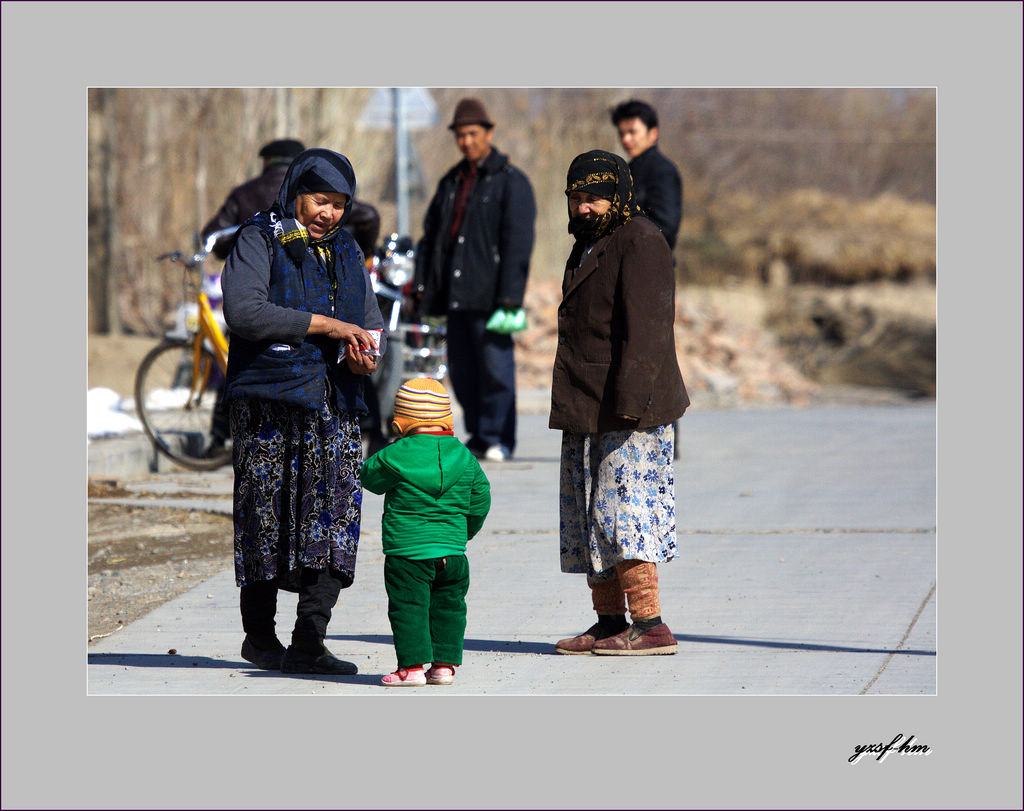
(141, 557)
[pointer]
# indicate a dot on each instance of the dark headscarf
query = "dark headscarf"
(606, 175)
(314, 170)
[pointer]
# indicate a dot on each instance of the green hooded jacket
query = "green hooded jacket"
(436, 495)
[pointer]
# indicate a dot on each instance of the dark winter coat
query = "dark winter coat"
(659, 191)
(436, 495)
(616, 348)
(271, 357)
(487, 265)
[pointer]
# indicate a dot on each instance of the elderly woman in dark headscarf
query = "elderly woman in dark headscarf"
(616, 390)
(299, 303)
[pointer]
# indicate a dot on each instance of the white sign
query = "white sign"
(418, 109)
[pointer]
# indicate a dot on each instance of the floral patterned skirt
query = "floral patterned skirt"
(297, 495)
(617, 499)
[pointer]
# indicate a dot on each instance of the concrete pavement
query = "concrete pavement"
(806, 567)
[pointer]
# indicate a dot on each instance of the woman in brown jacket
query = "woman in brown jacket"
(616, 390)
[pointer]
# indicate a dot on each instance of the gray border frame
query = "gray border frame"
(64, 749)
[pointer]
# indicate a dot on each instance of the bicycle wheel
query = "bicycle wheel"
(175, 410)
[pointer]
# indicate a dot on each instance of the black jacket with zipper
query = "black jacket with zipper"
(486, 265)
(659, 191)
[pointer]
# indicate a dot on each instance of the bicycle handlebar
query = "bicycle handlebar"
(216, 236)
(208, 243)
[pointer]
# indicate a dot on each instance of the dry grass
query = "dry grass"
(821, 238)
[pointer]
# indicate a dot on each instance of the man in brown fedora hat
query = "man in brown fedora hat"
(471, 265)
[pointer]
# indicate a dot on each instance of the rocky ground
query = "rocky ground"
(750, 346)
(739, 346)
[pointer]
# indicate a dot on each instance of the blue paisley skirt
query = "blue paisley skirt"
(297, 494)
(616, 499)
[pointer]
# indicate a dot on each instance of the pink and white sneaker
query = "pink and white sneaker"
(441, 673)
(405, 677)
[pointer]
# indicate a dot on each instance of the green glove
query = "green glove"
(505, 321)
(516, 321)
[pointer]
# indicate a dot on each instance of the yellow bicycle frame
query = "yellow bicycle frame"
(210, 329)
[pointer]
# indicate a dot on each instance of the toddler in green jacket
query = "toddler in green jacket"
(436, 499)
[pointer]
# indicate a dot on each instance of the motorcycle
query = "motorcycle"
(415, 348)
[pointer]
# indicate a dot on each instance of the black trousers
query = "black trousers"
(318, 594)
(483, 374)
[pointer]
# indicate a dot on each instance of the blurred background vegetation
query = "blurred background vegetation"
(806, 254)
(824, 186)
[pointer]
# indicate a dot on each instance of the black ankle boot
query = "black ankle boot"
(303, 656)
(264, 652)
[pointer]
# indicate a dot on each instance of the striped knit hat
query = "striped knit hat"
(423, 403)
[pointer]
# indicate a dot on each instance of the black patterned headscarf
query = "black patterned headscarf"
(606, 175)
(314, 170)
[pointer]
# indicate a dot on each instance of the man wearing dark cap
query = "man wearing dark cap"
(656, 181)
(255, 194)
(472, 265)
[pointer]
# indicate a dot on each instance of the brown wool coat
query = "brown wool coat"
(616, 350)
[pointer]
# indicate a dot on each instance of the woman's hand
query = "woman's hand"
(358, 363)
(342, 330)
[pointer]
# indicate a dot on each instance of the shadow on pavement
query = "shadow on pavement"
(358, 678)
(513, 646)
(177, 660)
(765, 643)
(162, 660)
(477, 645)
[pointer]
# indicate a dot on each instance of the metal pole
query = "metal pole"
(401, 161)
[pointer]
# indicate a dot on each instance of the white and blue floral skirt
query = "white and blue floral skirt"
(617, 499)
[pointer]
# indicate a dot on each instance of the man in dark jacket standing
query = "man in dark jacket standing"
(656, 181)
(255, 194)
(472, 265)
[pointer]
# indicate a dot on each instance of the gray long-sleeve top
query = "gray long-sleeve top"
(246, 286)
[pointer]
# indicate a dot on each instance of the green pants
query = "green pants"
(427, 608)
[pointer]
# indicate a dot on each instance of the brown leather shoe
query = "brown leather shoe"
(631, 642)
(583, 643)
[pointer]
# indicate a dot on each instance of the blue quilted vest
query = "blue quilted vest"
(301, 375)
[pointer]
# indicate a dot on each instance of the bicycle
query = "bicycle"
(177, 381)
